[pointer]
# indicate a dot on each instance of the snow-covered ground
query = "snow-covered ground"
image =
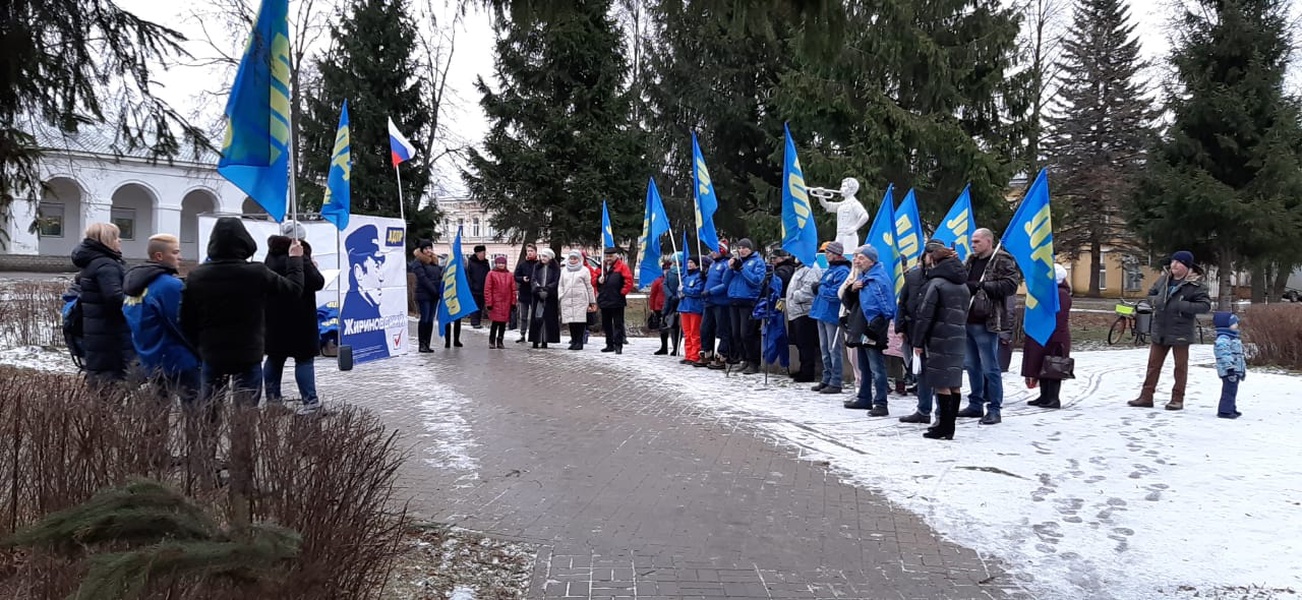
(1094, 500)
(37, 357)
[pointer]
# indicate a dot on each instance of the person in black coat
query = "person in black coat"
(524, 291)
(915, 283)
(545, 286)
(223, 309)
(429, 289)
(292, 327)
(938, 333)
(107, 338)
(477, 268)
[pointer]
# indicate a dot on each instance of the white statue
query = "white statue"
(850, 213)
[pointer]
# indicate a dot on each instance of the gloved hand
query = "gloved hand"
(972, 287)
(815, 287)
(1243, 375)
(542, 294)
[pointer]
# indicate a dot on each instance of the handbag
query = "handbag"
(653, 321)
(1058, 367)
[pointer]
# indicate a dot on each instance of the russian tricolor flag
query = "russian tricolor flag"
(399, 147)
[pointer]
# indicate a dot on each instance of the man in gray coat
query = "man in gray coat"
(1178, 297)
(801, 329)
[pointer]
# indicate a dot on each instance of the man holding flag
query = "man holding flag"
(992, 278)
(457, 301)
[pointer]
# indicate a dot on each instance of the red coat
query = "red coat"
(656, 300)
(499, 295)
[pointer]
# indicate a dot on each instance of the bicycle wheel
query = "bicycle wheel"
(1117, 331)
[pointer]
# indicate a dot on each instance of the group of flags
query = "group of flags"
(256, 153)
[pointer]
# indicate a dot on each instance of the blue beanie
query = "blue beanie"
(868, 251)
(1184, 256)
(1224, 319)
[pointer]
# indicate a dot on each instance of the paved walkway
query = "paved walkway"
(635, 492)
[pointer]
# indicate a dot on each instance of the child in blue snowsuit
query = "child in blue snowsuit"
(1229, 362)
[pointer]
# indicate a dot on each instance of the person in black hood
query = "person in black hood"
(223, 309)
(477, 268)
(109, 352)
(938, 333)
(292, 327)
(429, 289)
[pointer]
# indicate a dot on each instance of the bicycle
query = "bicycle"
(1128, 319)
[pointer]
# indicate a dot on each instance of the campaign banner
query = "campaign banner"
(374, 275)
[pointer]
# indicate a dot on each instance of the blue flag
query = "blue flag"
(882, 238)
(799, 232)
(1030, 240)
(457, 301)
(706, 202)
(607, 235)
(654, 224)
(957, 227)
(255, 153)
(338, 192)
(908, 236)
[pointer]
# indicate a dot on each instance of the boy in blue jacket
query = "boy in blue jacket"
(1229, 362)
(152, 308)
(715, 316)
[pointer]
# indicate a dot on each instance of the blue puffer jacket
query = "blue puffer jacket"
(744, 284)
(827, 304)
(875, 299)
(152, 307)
(693, 300)
(716, 283)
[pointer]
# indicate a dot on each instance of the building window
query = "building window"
(461, 225)
(50, 220)
(1103, 275)
(474, 227)
(1131, 273)
(125, 219)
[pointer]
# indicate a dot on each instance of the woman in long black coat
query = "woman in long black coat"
(545, 283)
(292, 328)
(1033, 353)
(939, 333)
(107, 338)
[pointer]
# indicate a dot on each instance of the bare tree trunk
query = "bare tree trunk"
(1277, 287)
(1260, 275)
(1096, 268)
(1224, 273)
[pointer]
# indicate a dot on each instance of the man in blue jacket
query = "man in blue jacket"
(877, 303)
(152, 308)
(825, 311)
(715, 319)
(745, 279)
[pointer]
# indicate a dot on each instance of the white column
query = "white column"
(96, 210)
(167, 219)
(22, 236)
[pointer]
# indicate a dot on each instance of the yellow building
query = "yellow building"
(1122, 276)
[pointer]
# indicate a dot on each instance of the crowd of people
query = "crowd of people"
(947, 320)
(232, 324)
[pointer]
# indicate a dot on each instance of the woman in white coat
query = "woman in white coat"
(577, 297)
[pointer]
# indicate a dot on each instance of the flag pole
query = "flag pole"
(293, 181)
(402, 207)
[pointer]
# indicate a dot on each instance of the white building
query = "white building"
(89, 178)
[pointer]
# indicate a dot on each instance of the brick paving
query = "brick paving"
(634, 492)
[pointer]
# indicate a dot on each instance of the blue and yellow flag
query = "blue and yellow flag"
(882, 238)
(1030, 240)
(654, 224)
(959, 224)
(607, 234)
(706, 202)
(908, 235)
(338, 193)
(457, 301)
(799, 232)
(255, 153)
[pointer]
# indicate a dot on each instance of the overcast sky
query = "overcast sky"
(473, 56)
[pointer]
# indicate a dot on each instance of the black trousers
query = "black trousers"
(745, 334)
(804, 334)
(577, 331)
(496, 332)
(716, 330)
(477, 317)
(612, 324)
(452, 333)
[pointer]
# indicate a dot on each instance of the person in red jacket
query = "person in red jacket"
(499, 296)
(614, 284)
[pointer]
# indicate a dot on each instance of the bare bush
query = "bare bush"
(1275, 330)
(331, 479)
(30, 313)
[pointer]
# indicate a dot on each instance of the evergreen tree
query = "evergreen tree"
(1226, 179)
(371, 64)
(919, 96)
(1100, 132)
(560, 138)
(702, 75)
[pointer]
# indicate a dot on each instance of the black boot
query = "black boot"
(947, 412)
(664, 344)
(619, 348)
(424, 331)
